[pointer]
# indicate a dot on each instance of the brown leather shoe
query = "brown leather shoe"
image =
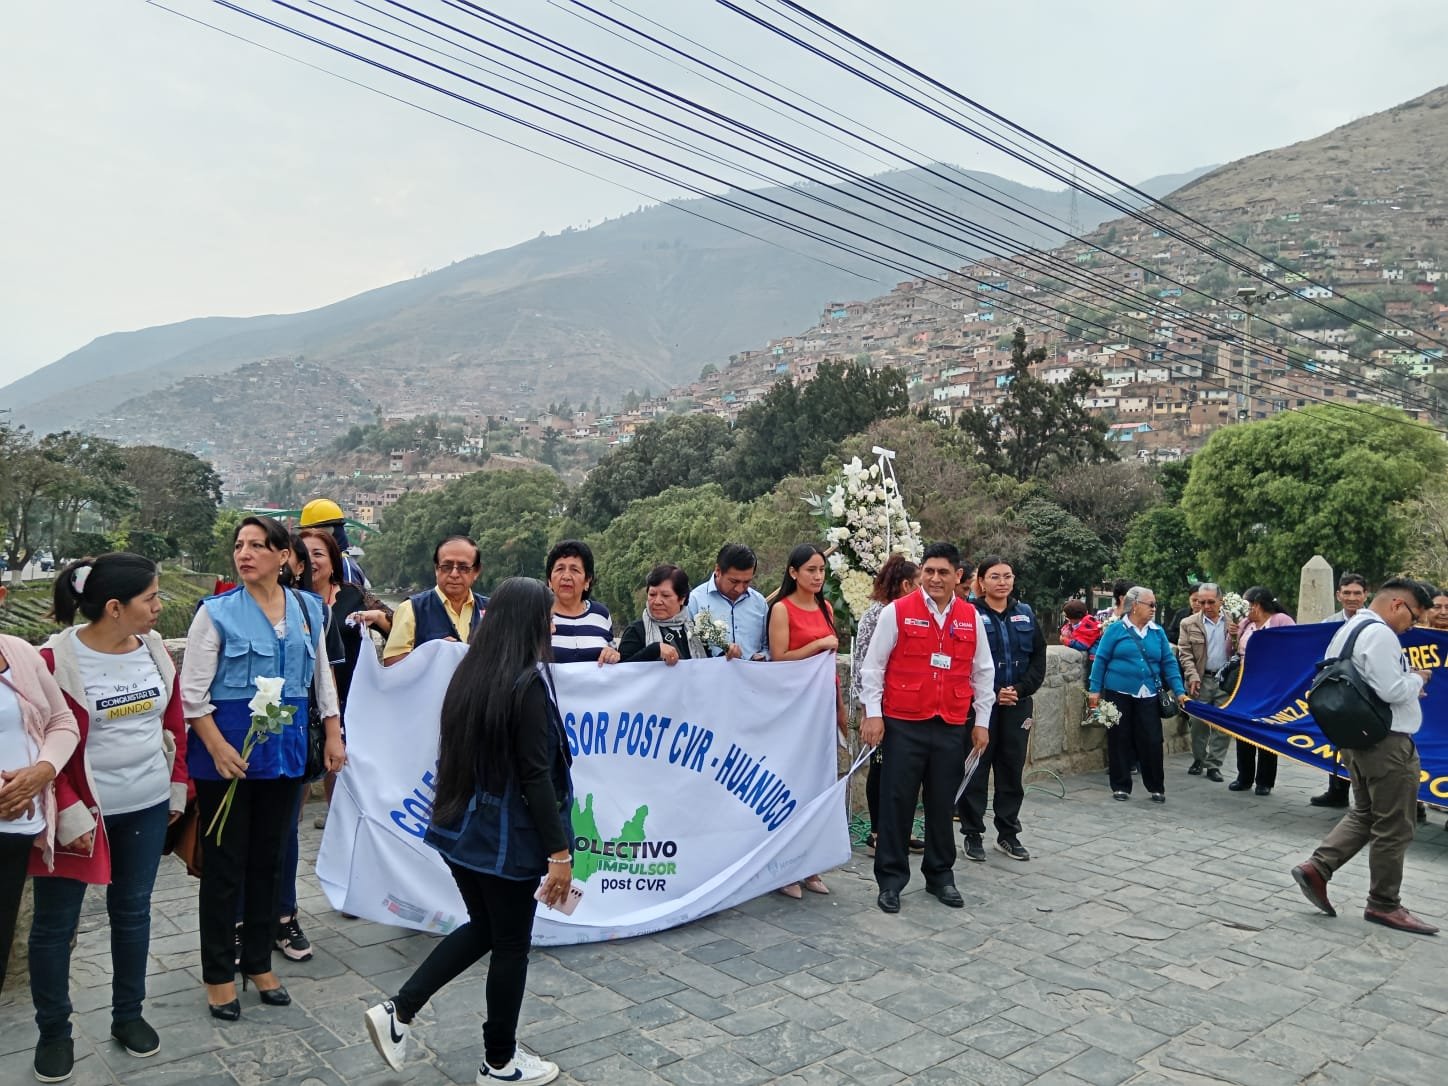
(1314, 887)
(1401, 919)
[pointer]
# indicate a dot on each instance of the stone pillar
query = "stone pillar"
(1316, 594)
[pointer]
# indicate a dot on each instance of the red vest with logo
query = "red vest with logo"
(915, 689)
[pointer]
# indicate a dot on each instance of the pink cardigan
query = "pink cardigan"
(47, 719)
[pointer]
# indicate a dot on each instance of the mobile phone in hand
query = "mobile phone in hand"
(575, 895)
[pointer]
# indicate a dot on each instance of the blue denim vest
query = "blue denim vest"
(250, 649)
(432, 621)
(497, 834)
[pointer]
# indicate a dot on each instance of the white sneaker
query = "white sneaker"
(524, 1068)
(388, 1034)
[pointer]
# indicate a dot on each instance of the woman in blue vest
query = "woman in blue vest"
(501, 820)
(257, 630)
(1018, 649)
(1134, 661)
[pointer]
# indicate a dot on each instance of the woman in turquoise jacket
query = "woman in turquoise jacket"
(1133, 662)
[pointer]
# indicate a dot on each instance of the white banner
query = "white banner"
(697, 787)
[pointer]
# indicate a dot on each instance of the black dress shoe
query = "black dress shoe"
(1263, 790)
(1215, 775)
(1195, 769)
(889, 901)
(1330, 799)
(272, 997)
(947, 894)
(1239, 786)
(227, 1012)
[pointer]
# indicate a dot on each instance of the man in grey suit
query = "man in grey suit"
(1205, 643)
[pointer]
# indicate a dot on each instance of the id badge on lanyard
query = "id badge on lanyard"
(940, 660)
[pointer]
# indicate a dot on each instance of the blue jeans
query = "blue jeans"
(135, 841)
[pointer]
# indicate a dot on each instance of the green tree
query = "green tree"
(1265, 497)
(681, 450)
(216, 559)
(1106, 497)
(178, 496)
(511, 514)
(682, 525)
(1037, 427)
(1062, 556)
(1160, 552)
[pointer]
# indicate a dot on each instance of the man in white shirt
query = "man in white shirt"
(1384, 776)
(929, 663)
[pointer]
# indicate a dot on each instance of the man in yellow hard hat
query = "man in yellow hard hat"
(325, 513)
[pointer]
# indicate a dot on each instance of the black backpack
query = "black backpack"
(1345, 707)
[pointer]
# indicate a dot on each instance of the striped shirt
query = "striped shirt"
(580, 638)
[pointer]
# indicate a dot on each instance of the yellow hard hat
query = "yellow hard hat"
(321, 511)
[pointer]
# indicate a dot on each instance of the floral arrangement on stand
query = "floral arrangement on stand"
(712, 633)
(1105, 715)
(864, 521)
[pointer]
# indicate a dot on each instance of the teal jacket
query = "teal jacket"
(1121, 666)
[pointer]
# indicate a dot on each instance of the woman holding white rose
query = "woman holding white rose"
(255, 643)
(801, 625)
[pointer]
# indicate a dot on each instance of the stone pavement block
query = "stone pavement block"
(806, 1012)
(616, 1070)
(704, 978)
(1395, 1009)
(1414, 1037)
(748, 970)
(743, 1023)
(997, 1037)
(638, 1048)
(272, 1058)
(717, 951)
(863, 1069)
(584, 1004)
(701, 1006)
(688, 1038)
(805, 985)
(716, 1067)
(786, 1047)
(915, 1054)
(972, 1067)
(1100, 1068)
(1043, 1054)
(203, 1070)
(872, 1031)
(1335, 1074)
(1220, 1064)
(924, 1000)
(1036, 1019)
(952, 1020)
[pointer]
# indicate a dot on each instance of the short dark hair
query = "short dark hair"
(1352, 578)
(893, 574)
(676, 577)
(1119, 589)
(1075, 610)
(570, 548)
(118, 575)
(1422, 593)
(477, 551)
(735, 556)
(298, 547)
(334, 552)
(277, 536)
(949, 551)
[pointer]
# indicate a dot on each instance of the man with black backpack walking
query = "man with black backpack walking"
(1384, 774)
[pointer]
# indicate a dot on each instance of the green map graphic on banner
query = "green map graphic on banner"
(590, 853)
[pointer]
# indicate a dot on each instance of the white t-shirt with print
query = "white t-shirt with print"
(126, 698)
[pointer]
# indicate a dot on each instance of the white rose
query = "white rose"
(268, 692)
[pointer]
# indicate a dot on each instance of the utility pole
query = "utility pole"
(1247, 296)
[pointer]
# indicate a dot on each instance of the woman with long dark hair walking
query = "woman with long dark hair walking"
(501, 821)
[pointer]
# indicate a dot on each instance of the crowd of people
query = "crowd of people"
(108, 750)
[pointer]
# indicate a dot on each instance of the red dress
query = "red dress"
(806, 626)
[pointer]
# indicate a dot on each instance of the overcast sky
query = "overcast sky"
(157, 170)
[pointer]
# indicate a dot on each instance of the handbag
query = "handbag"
(316, 732)
(1166, 702)
(1345, 707)
(183, 839)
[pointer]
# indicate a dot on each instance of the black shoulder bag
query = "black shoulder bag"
(1346, 708)
(1166, 701)
(316, 731)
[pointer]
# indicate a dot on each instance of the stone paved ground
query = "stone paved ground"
(1143, 944)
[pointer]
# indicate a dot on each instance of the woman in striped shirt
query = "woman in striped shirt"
(582, 629)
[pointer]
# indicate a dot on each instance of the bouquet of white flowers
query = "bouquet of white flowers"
(865, 522)
(1105, 715)
(268, 717)
(712, 633)
(1234, 606)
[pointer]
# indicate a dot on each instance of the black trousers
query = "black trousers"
(1256, 766)
(14, 858)
(1005, 760)
(872, 791)
(249, 854)
(918, 753)
(1136, 738)
(500, 920)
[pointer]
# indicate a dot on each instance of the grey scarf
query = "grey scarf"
(654, 632)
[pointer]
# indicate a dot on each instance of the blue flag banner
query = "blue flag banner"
(1269, 706)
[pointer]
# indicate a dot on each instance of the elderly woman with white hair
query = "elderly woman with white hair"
(1134, 663)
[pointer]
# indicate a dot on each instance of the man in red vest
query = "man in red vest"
(928, 661)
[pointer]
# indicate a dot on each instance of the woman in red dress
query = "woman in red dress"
(801, 625)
